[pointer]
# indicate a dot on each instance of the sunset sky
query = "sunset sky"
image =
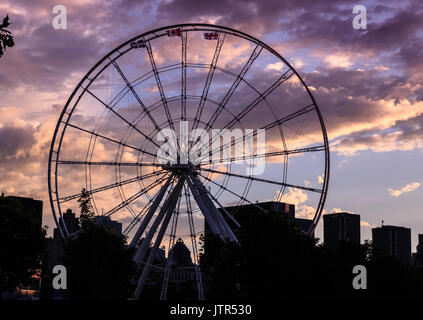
(368, 85)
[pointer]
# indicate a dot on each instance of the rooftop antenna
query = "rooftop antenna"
(382, 222)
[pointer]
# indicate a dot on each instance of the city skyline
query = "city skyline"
(367, 84)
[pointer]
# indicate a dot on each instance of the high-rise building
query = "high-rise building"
(56, 251)
(393, 241)
(271, 206)
(418, 256)
(31, 205)
(108, 223)
(341, 226)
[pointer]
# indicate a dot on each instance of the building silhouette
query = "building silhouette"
(30, 205)
(393, 241)
(180, 254)
(108, 223)
(55, 249)
(160, 256)
(341, 226)
(35, 209)
(182, 268)
(271, 206)
(55, 252)
(418, 256)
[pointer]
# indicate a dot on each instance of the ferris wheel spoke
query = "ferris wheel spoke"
(256, 52)
(109, 163)
(220, 41)
(266, 155)
(144, 215)
(111, 140)
(260, 98)
(263, 96)
(238, 78)
(232, 192)
(159, 84)
(263, 180)
(278, 122)
(131, 88)
(135, 196)
(111, 186)
(184, 40)
(138, 217)
(122, 118)
(157, 199)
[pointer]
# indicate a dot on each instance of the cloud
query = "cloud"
(407, 188)
(278, 66)
(397, 128)
(338, 60)
(294, 196)
(304, 211)
(15, 141)
(367, 224)
(337, 210)
(298, 198)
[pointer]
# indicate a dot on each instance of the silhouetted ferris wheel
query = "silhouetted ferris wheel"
(192, 79)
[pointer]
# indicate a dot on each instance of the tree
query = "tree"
(6, 38)
(99, 264)
(87, 213)
(21, 243)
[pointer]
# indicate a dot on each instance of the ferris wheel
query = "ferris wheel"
(179, 127)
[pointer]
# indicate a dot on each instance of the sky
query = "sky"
(368, 85)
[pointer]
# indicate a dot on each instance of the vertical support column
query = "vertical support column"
(163, 294)
(204, 209)
(139, 255)
(150, 212)
(220, 221)
(194, 248)
(173, 199)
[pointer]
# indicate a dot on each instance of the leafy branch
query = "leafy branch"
(6, 38)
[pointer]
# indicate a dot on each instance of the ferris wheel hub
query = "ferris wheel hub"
(180, 167)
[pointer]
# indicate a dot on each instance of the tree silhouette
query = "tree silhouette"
(21, 243)
(87, 213)
(6, 38)
(99, 264)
